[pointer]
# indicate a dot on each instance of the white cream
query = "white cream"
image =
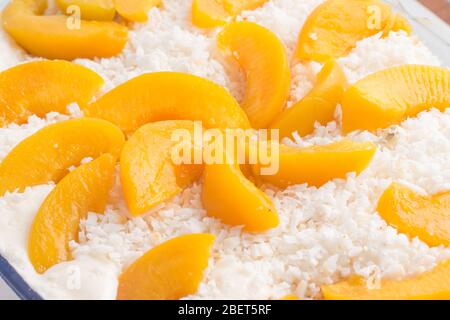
(86, 277)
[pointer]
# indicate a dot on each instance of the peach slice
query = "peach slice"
(214, 13)
(148, 174)
(57, 222)
(46, 155)
(290, 297)
(432, 285)
(389, 96)
(317, 165)
(335, 26)
(100, 10)
(61, 37)
(169, 96)
(263, 58)
(229, 196)
(209, 13)
(318, 106)
(135, 10)
(169, 271)
(237, 6)
(40, 87)
(426, 217)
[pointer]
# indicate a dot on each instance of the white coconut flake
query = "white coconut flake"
(284, 17)
(325, 234)
(376, 53)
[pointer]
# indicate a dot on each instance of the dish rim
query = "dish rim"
(15, 281)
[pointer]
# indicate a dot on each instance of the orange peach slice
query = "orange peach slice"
(290, 297)
(169, 271)
(169, 96)
(135, 10)
(335, 26)
(318, 106)
(389, 96)
(61, 37)
(263, 58)
(148, 174)
(209, 13)
(432, 285)
(317, 165)
(236, 6)
(47, 155)
(397, 22)
(214, 13)
(426, 217)
(100, 10)
(57, 222)
(40, 87)
(229, 196)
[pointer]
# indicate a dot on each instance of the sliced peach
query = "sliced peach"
(432, 285)
(389, 96)
(214, 13)
(209, 13)
(263, 58)
(147, 172)
(237, 6)
(40, 87)
(169, 271)
(318, 106)
(335, 26)
(399, 23)
(61, 37)
(229, 196)
(135, 10)
(57, 222)
(169, 96)
(290, 297)
(317, 165)
(46, 155)
(100, 10)
(426, 217)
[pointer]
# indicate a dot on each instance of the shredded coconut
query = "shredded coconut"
(284, 17)
(325, 234)
(376, 53)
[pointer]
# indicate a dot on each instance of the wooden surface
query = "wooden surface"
(440, 7)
